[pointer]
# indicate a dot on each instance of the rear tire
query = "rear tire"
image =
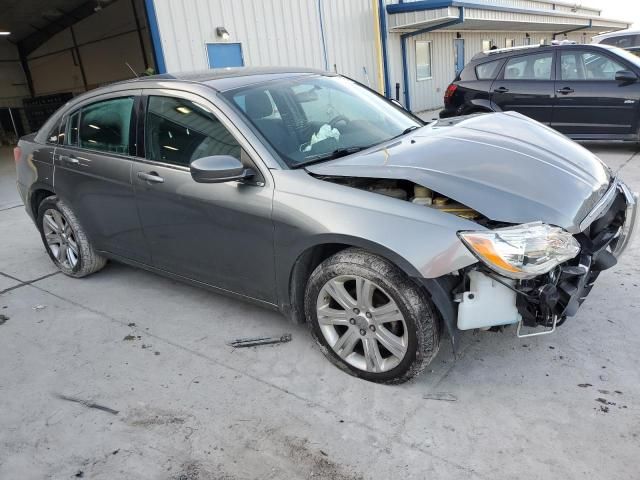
(65, 240)
(370, 319)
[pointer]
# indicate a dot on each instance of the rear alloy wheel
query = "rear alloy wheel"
(65, 239)
(369, 318)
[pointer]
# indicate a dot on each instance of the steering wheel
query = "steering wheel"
(338, 119)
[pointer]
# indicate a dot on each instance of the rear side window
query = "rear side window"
(529, 67)
(488, 71)
(71, 137)
(179, 131)
(106, 126)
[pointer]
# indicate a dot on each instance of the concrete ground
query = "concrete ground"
(184, 405)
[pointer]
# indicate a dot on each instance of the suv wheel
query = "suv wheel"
(65, 240)
(369, 318)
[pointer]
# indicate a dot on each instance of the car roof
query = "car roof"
(617, 33)
(506, 52)
(222, 79)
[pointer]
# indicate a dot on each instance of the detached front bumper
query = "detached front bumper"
(546, 301)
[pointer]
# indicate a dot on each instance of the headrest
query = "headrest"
(258, 105)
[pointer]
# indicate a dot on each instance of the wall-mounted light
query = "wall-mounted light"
(5, 33)
(458, 35)
(526, 35)
(222, 33)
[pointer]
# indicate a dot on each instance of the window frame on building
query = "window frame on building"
(429, 44)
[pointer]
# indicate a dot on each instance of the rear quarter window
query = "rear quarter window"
(488, 70)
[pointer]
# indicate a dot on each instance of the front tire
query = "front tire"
(65, 240)
(369, 318)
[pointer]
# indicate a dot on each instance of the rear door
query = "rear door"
(590, 102)
(526, 85)
(93, 173)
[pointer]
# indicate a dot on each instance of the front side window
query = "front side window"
(529, 67)
(317, 117)
(179, 131)
(106, 126)
(577, 65)
(423, 60)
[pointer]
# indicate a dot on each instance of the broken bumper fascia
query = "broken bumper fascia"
(490, 300)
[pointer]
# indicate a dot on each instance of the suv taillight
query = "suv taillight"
(17, 153)
(448, 94)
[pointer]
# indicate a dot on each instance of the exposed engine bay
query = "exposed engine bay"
(410, 192)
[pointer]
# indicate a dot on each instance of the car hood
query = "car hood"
(506, 166)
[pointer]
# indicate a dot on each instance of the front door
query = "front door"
(458, 44)
(526, 85)
(220, 234)
(589, 100)
(92, 173)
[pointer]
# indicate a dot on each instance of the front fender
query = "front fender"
(307, 212)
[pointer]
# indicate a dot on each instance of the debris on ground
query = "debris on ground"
(86, 403)
(604, 401)
(3, 319)
(442, 396)
(39, 307)
(584, 385)
(132, 324)
(130, 338)
(79, 474)
(254, 342)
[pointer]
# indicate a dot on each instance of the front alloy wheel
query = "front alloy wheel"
(369, 318)
(362, 324)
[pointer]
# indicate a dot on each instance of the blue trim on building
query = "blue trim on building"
(403, 44)
(158, 53)
(324, 43)
(385, 55)
(582, 27)
(422, 5)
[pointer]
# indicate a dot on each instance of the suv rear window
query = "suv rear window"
(488, 71)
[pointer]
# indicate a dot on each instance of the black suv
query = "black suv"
(588, 92)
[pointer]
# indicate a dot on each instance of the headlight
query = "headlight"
(523, 251)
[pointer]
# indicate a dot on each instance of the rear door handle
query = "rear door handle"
(565, 90)
(151, 177)
(501, 90)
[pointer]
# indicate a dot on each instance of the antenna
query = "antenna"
(132, 70)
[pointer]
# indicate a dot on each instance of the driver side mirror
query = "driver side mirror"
(626, 76)
(219, 169)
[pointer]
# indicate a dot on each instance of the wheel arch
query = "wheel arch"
(301, 265)
(37, 195)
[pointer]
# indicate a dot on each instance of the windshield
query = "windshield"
(315, 118)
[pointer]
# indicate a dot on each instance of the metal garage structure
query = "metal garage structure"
(59, 48)
(408, 49)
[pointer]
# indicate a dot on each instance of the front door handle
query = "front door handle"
(565, 90)
(501, 90)
(151, 177)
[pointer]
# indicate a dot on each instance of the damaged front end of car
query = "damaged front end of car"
(540, 279)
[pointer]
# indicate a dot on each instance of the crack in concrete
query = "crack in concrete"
(23, 282)
(627, 161)
(10, 208)
(309, 402)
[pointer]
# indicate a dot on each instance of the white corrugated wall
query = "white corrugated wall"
(272, 33)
